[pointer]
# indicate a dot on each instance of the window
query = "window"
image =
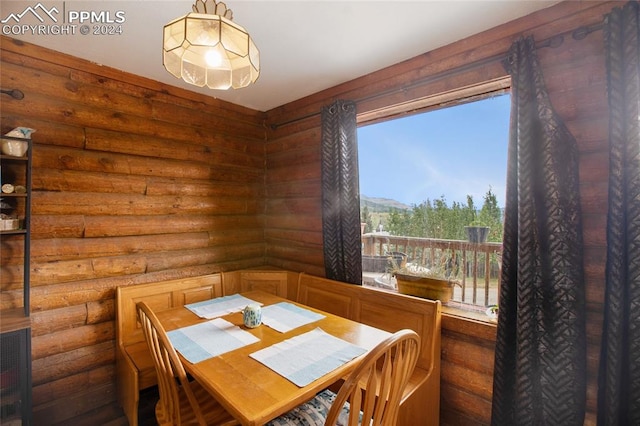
(425, 179)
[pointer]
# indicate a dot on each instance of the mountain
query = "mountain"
(381, 205)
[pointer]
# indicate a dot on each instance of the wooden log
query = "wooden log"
(47, 132)
(306, 153)
(312, 256)
(104, 226)
(69, 408)
(134, 204)
(64, 181)
(49, 273)
(47, 226)
(64, 341)
(52, 62)
(211, 255)
(297, 206)
(140, 87)
(54, 320)
(295, 222)
(66, 364)
(469, 353)
(277, 147)
(12, 252)
(211, 120)
(61, 87)
(296, 171)
(220, 153)
(291, 190)
(476, 383)
(310, 238)
(47, 250)
(475, 408)
(81, 160)
(67, 113)
(100, 311)
(236, 236)
(94, 161)
(56, 296)
(69, 385)
(202, 188)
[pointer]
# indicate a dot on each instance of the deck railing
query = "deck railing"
(479, 263)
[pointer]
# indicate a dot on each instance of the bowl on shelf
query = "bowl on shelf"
(15, 148)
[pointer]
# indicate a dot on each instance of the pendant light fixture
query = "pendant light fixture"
(206, 48)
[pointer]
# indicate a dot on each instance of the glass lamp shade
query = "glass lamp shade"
(204, 49)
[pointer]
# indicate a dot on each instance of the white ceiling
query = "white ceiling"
(305, 45)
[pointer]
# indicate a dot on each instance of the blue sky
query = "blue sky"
(453, 152)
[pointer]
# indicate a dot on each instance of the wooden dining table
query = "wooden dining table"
(251, 391)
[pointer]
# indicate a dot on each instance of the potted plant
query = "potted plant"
(430, 283)
(477, 232)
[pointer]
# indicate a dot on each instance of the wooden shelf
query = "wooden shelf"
(13, 320)
(13, 232)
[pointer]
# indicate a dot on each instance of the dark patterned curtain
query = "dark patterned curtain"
(341, 193)
(619, 376)
(540, 360)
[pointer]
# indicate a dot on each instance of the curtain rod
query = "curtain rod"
(553, 42)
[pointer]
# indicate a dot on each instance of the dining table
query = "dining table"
(262, 374)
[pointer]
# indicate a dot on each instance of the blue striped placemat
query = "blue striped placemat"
(307, 357)
(208, 339)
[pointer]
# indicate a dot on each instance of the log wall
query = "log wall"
(133, 182)
(574, 74)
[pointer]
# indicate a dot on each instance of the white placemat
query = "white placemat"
(307, 357)
(208, 339)
(285, 316)
(220, 306)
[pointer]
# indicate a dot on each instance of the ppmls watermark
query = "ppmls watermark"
(57, 19)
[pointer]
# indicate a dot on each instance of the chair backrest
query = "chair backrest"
(168, 369)
(375, 387)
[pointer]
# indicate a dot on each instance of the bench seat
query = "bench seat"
(134, 366)
(389, 311)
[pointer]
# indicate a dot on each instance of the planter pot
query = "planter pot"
(477, 234)
(427, 288)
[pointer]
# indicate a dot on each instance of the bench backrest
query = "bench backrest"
(278, 282)
(159, 296)
(378, 308)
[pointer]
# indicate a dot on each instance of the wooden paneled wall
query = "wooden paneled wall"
(575, 78)
(133, 182)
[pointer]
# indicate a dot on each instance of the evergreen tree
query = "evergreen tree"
(491, 215)
(435, 219)
(365, 217)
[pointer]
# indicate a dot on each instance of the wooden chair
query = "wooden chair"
(373, 390)
(181, 402)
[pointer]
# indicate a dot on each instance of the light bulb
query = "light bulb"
(213, 58)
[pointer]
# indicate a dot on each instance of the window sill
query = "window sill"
(468, 322)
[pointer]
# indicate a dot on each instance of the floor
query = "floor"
(147, 407)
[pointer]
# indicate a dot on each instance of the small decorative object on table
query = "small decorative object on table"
(252, 316)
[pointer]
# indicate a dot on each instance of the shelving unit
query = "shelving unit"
(15, 322)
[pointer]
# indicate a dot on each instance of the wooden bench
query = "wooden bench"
(378, 308)
(275, 281)
(389, 311)
(134, 366)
